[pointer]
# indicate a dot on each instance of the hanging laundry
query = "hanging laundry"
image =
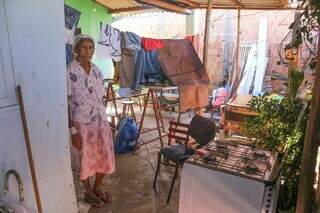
(69, 35)
(194, 39)
(147, 67)
(69, 53)
(183, 67)
(109, 43)
(124, 92)
(150, 44)
(189, 38)
(127, 71)
(71, 19)
(181, 63)
(116, 73)
(130, 45)
(199, 97)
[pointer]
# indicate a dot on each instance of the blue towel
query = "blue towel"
(147, 67)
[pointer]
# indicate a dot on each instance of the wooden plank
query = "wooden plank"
(224, 7)
(206, 35)
(174, 123)
(284, 2)
(190, 3)
(174, 129)
(310, 148)
(237, 3)
(178, 137)
(130, 9)
(96, 2)
(166, 6)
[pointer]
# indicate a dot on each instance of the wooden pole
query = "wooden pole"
(207, 35)
(28, 146)
(238, 45)
(235, 80)
(310, 148)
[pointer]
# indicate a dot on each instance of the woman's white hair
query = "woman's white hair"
(79, 38)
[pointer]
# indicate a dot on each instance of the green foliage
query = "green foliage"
(284, 129)
(295, 79)
(304, 30)
(275, 128)
(274, 125)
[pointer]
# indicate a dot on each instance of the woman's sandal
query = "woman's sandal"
(104, 196)
(94, 202)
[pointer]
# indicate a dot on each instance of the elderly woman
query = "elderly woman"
(89, 128)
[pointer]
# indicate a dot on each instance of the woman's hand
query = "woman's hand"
(76, 141)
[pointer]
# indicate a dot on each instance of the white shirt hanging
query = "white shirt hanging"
(109, 43)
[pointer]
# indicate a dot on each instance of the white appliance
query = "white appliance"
(232, 178)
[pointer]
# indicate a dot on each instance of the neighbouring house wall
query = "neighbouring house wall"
(154, 25)
(192, 22)
(224, 29)
(36, 37)
(91, 16)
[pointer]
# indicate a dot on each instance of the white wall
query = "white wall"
(36, 34)
(13, 152)
(154, 25)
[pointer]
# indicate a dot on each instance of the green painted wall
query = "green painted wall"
(91, 16)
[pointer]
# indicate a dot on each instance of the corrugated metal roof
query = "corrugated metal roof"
(118, 4)
(142, 6)
(139, 12)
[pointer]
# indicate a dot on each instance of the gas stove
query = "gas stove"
(237, 159)
(226, 176)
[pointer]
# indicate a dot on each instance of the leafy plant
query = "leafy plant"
(276, 129)
(280, 127)
(303, 31)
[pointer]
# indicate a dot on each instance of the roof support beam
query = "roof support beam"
(237, 3)
(190, 3)
(165, 6)
(284, 2)
(222, 7)
(130, 9)
(96, 2)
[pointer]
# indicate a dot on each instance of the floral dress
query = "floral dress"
(85, 101)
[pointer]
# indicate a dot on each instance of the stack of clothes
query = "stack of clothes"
(140, 60)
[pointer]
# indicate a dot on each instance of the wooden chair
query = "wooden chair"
(176, 153)
(201, 129)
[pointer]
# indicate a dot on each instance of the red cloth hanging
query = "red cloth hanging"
(195, 41)
(150, 44)
(190, 38)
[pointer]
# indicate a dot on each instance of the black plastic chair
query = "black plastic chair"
(201, 129)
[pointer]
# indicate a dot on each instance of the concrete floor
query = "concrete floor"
(131, 184)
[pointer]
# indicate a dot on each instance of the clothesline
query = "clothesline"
(110, 42)
(139, 60)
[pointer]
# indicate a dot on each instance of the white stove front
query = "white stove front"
(209, 191)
